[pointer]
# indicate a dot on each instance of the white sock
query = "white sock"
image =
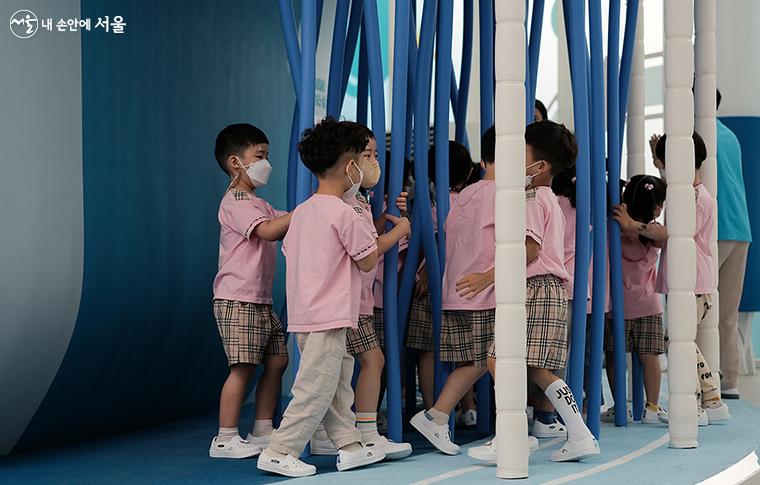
(438, 417)
(366, 423)
(226, 434)
(562, 398)
(262, 427)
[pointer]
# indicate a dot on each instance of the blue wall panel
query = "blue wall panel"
(145, 347)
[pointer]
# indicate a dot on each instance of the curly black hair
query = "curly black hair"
(322, 146)
(553, 143)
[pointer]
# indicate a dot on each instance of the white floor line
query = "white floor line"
(736, 473)
(612, 464)
(474, 468)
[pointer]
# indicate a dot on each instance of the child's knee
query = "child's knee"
(277, 364)
(243, 371)
(372, 360)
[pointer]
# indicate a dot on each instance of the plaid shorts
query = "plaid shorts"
(364, 337)
(419, 332)
(644, 335)
(249, 331)
(546, 311)
(467, 335)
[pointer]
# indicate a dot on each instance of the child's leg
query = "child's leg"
(233, 394)
(456, 386)
(652, 376)
(563, 400)
(268, 393)
(468, 401)
(426, 369)
(609, 359)
(707, 388)
(368, 391)
(320, 381)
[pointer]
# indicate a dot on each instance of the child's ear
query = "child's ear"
(482, 165)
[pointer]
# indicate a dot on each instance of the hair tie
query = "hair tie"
(649, 186)
(573, 180)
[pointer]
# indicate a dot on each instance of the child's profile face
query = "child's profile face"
(657, 211)
(253, 153)
(368, 157)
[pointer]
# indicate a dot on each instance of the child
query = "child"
(420, 330)
(327, 248)
(550, 148)
(250, 330)
(710, 406)
(644, 197)
(365, 342)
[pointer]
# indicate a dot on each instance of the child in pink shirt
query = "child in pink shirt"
(710, 407)
(326, 249)
(250, 330)
(643, 197)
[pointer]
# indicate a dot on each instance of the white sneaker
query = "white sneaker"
(468, 418)
(487, 451)
(322, 447)
(576, 450)
(438, 436)
(288, 465)
(718, 414)
(237, 447)
(652, 417)
(368, 455)
(608, 416)
(702, 419)
(260, 442)
(553, 430)
(392, 450)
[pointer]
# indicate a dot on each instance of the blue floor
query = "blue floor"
(177, 452)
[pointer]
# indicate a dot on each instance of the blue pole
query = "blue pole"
(487, 79)
(576, 34)
(352, 37)
(374, 58)
(464, 74)
(362, 93)
(534, 48)
(614, 143)
(599, 198)
(306, 98)
(334, 84)
(637, 396)
(631, 14)
(288, 23)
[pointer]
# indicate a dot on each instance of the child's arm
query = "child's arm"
(400, 229)
(423, 283)
(367, 263)
(401, 204)
(472, 284)
(532, 248)
(652, 145)
(273, 230)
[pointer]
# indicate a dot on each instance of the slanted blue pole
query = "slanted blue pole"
(362, 93)
(576, 37)
(306, 97)
(631, 15)
(371, 34)
(614, 147)
(487, 80)
(599, 199)
(335, 79)
(464, 75)
(352, 37)
(534, 48)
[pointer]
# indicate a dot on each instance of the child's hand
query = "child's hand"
(400, 222)
(652, 146)
(423, 283)
(473, 284)
(620, 214)
(401, 202)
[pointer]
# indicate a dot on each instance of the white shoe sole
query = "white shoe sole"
(419, 426)
(476, 455)
(577, 455)
(398, 454)
(367, 460)
(286, 473)
(541, 432)
(221, 454)
(323, 451)
(719, 414)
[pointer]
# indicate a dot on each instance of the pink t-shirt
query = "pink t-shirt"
(323, 283)
(705, 284)
(545, 224)
(639, 278)
(569, 212)
(379, 274)
(367, 302)
(246, 263)
(470, 244)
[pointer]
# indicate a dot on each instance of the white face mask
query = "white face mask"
(529, 178)
(350, 194)
(259, 172)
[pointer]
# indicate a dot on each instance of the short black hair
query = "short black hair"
(322, 146)
(234, 139)
(700, 150)
(717, 98)
(642, 195)
(460, 165)
(542, 109)
(564, 184)
(488, 145)
(552, 142)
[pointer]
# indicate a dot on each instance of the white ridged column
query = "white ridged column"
(511, 373)
(680, 216)
(635, 139)
(708, 338)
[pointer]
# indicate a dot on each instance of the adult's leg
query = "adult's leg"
(733, 261)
